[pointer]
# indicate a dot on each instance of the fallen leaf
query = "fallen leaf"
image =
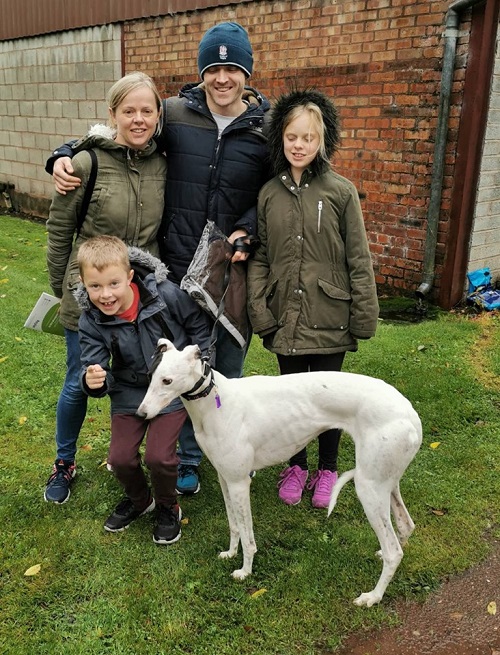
(2, 359)
(185, 521)
(438, 511)
(492, 608)
(104, 463)
(421, 347)
(33, 570)
(22, 420)
(435, 444)
(4, 268)
(86, 447)
(258, 593)
(456, 615)
(18, 338)
(4, 281)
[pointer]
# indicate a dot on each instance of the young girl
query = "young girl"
(311, 287)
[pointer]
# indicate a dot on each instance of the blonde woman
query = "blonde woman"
(127, 202)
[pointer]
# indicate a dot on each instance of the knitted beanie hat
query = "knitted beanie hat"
(225, 44)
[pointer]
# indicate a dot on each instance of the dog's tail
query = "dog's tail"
(345, 477)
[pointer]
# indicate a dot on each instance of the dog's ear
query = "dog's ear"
(163, 345)
(197, 354)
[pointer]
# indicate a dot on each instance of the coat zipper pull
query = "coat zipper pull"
(320, 209)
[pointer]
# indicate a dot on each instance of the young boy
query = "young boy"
(127, 305)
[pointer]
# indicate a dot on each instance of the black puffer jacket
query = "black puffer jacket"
(209, 178)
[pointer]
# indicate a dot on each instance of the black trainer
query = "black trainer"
(168, 524)
(124, 513)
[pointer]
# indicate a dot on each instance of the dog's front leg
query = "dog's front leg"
(234, 534)
(239, 498)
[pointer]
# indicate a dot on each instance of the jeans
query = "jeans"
(72, 403)
(229, 359)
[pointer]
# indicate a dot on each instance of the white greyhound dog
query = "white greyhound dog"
(246, 424)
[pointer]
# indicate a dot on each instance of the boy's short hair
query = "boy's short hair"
(101, 252)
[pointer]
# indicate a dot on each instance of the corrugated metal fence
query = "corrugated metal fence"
(23, 18)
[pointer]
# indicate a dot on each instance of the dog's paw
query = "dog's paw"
(367, 600)
(240, 574)
(227, 554)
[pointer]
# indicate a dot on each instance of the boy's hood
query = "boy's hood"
(143, 263)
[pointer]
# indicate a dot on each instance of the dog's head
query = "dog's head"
(172, 373)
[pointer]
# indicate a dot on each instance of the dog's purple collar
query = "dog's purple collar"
(207, 373)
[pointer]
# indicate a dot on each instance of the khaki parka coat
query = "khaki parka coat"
(311, 286)
(127, 202)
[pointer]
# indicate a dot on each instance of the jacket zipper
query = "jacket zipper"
(320, 209)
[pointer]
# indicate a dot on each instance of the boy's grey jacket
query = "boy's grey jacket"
(319, 294)
(209, 178)
(125, 349)
(127, 202)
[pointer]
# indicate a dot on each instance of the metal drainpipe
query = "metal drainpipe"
(450, 36)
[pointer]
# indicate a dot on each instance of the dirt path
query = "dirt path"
(453, 621)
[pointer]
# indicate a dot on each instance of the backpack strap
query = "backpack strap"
(89, 190)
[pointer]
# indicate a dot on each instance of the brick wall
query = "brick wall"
(380, 60)
(51, 88)
(485, 244)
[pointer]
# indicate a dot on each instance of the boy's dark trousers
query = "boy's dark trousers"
(160, 456)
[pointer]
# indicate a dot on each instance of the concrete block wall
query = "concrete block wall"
(381, 63)
(485, 242)
(51, 89)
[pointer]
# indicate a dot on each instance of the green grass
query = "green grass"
(101, 593)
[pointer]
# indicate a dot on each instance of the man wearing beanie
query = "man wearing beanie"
(225, 44)
(217, 160)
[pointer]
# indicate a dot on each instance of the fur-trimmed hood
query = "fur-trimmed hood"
(280, 111)
(143, 264)
(103, 136)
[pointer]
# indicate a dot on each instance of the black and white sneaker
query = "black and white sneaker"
(168, 524)
(124, 513)
(57, 488)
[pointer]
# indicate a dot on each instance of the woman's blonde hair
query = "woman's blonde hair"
(131, 82)
(103, 251)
